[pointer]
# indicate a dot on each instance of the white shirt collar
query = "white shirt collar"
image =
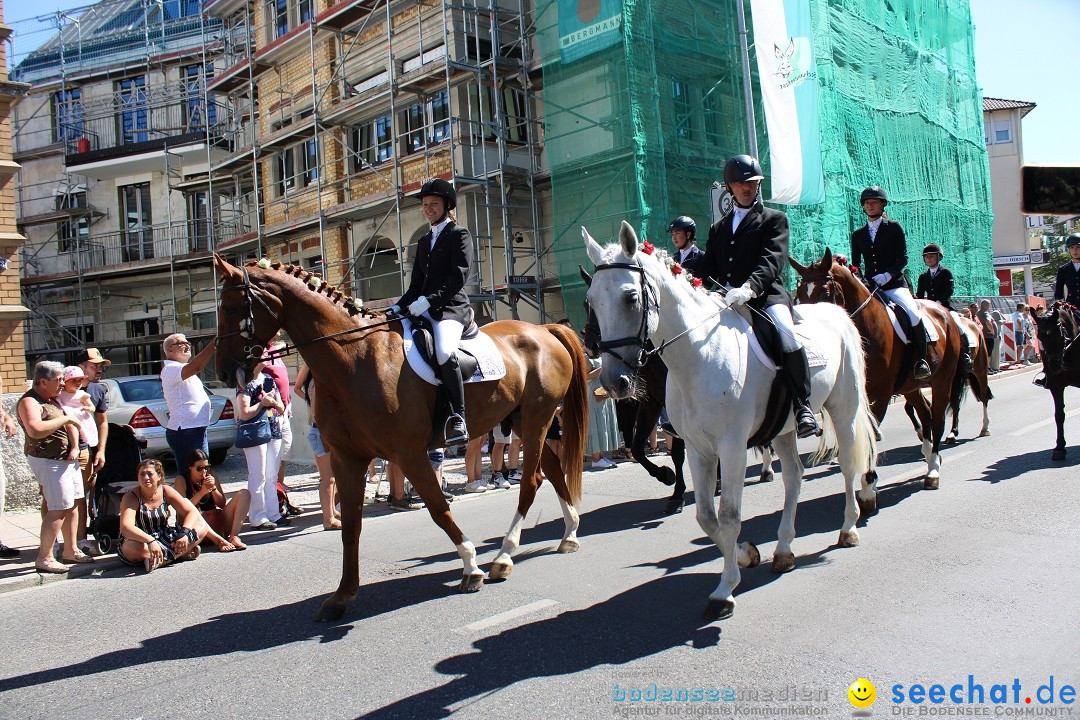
(874, 225)
(934, 271)
(738, 213)
(437, 229)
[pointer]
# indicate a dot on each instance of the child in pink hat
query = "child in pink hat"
(76, 402)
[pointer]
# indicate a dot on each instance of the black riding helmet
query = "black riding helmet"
(874, 192)
(742, 168)
(439, 188)
(683, 222)
(933, 248)
(1073, 239)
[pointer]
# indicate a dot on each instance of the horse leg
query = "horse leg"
(553, 469)
(941, 400)
(1057, 390)
(678, 457)
(503, 564)
(922, 408)
(982, 391)
(792, 473)
(351, 490)
(909, 410)
(420, 473)
(767, 474)
(643, 425)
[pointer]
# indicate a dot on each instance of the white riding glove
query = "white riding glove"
(739, 295)
(393, 311)
(881, 279)
(419, 307)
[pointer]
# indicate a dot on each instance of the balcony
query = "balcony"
(122, 251)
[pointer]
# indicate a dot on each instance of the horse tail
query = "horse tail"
(575, 412)
(864, 452)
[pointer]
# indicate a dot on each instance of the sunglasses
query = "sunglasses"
(201, 468)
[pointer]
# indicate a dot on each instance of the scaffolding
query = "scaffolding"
(303, 139)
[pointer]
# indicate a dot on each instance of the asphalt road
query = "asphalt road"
(977, 579)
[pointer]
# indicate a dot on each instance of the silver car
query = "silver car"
(138, 401)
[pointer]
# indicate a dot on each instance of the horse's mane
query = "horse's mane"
(354, 306)
(1067, 317)
(613, 252)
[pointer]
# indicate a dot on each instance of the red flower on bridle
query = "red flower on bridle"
(647, 248)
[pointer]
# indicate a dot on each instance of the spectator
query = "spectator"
(305, 388)
(92, 364)
(223, 517)
(474, 466)
(603, 425)
(501, 471)
(275, 368)
(52, 450)
(1021, 335)
(9, 429)
(146, 538)
(188, 403)
(259, 396)
(990, 335)
(1027, 353)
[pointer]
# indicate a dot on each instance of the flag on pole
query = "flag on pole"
(784, 44)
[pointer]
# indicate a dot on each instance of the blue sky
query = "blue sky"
(1020, 54)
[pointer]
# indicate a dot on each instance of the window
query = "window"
(204, 320)
(680, 105)
(284, 172)
(1002, 130)
(310, 152)
(371, 143)
(144, 359)
(279, 11)
(137, 237)
(428, 123)
(296, 167)
(284, 16)
(133, 120)
(180, 8)
(67, 112)
(197, 113)
(73, 233)
(198, 225)
(420, 60)
(512, 110)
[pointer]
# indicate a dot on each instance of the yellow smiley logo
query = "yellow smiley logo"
(862, 693)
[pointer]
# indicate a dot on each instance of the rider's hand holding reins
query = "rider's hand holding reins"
(881, 279)
(419, 306)
(739, 295)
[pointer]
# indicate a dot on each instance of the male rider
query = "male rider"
(746, 252)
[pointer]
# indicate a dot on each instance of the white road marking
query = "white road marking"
(1041, 424)
(505, 617)
(946, 460)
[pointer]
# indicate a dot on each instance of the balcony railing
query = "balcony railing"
(135, 127)
(109, 249)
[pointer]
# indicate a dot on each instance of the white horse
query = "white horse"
(718, 398)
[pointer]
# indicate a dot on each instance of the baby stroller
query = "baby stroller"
(123, 453)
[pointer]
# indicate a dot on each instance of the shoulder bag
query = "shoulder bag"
(253, 432)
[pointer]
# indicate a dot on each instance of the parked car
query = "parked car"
(138, 401)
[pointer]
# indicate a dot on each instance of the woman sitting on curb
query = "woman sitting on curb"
(224, 517)
(146, 537)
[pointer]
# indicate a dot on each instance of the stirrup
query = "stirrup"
(806, 424)
(455, 430)
(921, 371)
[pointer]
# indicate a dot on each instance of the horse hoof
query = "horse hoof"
(471, 583)
(500, 570)
(330, 611)
(767, 476)
(666, 475)
(848, 539)
(951, 440)
(674, 506)
(984, 433)
(749, 556)
(1058, 455)
(930, 483)
(783, 562)
(719, 609)
(867, 507)
(569, 545)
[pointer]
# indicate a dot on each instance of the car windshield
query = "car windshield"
(141, 390)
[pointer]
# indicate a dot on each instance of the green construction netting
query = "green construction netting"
(643, 103)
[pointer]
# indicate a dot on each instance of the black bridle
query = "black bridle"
(641, 339)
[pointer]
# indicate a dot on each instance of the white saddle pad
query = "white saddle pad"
(931, 328)
(489, 361)
(973, 341)
(814, 356)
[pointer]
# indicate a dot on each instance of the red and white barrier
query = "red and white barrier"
(1008, 344)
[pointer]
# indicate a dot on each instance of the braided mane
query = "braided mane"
(316, 284)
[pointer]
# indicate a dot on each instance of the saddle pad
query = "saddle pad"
(489, 361)
(814, 356)
(931, 327)
(965, 328)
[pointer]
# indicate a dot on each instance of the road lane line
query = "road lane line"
(912, 475)
(1041, 424)
(505, 617)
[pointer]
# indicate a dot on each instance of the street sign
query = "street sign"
(522, 279)
(1037, 257)
(1007, 260)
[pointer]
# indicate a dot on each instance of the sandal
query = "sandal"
(78, 558)
(50, 565)
(334, 525)
(237, 543)
(151, 564)
(226, 547)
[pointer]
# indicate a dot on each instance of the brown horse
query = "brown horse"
(372, 404)
(888, 366)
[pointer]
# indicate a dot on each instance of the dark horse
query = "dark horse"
(372, 404)
(888, 363)
(650, 393)
(1058, 331)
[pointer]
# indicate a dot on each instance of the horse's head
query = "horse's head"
(816, 282)
(1056, 331)
(248, 318)
(625, 304)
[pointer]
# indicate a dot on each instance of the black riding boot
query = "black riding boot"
(455, 430)
(797, 371)
(921, 371)
(966, 364)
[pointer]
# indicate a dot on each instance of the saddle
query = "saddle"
(902, 326)
(779, 405)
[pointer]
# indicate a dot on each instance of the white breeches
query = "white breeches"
(781, 315)
(447, 337)
(902, 297)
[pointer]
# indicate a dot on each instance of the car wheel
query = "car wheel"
(218, 456)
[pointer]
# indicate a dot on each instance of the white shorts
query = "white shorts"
(60, 480)
(497, 435)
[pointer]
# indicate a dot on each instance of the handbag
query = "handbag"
(253, 432)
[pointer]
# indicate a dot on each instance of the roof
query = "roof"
(990, 104)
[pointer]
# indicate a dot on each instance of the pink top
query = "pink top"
(78, 405)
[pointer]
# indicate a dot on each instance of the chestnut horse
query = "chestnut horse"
(1058, 331)
(888, 371)
(372, 404)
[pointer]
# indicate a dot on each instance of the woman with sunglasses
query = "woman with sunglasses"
(225, 517)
